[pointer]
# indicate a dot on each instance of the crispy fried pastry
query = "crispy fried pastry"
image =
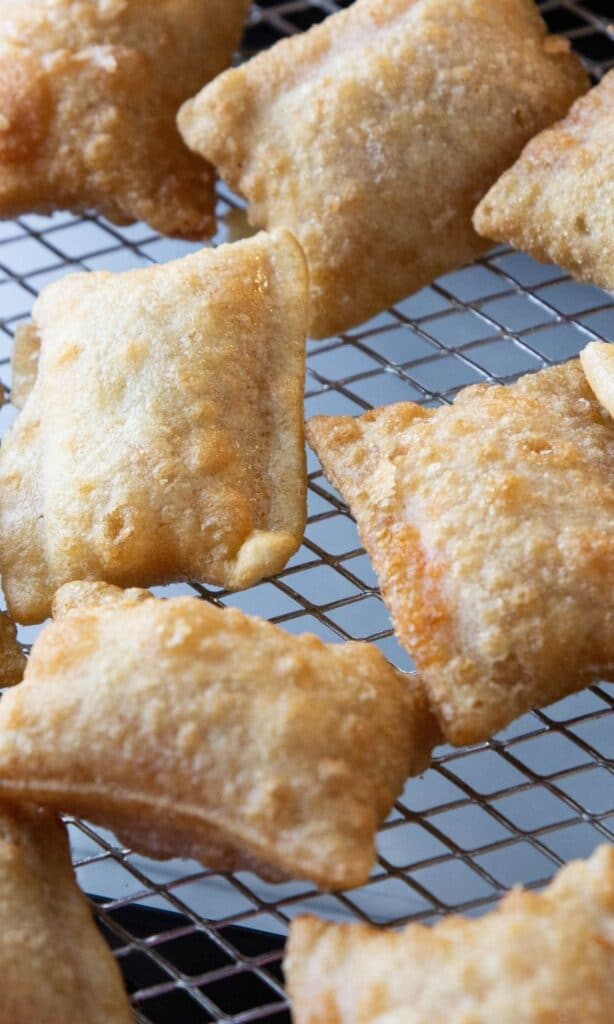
(24, 363)
(164, 435)
(12, 658)
(54, 964)
(372, 137)
(597, 361)
(540, 957)
(557, 201)
(491, 526)
(89, 90)
(214, 735)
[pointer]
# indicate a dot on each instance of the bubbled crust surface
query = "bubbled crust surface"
(89, 90)
(557, 201)
(24, 363)
(164, 436)
(12, 658)
(597, 361)
(491, 526)
(540, 958)
(214, 735)
(55, 966)
(344, 135)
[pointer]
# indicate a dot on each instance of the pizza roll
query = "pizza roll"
(55, 966)
(491, 526)
(163, 438)
(89, 92)
(597, 361)
(557, 201)
(12, 658)
(539, 957)
(372, 137)
(214, 735)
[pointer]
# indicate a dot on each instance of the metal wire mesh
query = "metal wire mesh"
(196, 946)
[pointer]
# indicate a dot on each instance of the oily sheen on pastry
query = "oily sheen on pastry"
(163, 438)
(557, 201)
(197, 732)
(540, 957)
(89, 90)
(490, 524)
(373, 136)
(55, 966)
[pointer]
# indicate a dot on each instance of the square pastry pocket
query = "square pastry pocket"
(89, 92)
(373, 136)
(491, 526)
(197, 732)
(163, 438)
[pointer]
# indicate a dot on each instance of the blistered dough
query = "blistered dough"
(491, 526)
(557, 201)
(89, 90)
(197, 732)
(373, 136)
(163, 438)
(539, 958)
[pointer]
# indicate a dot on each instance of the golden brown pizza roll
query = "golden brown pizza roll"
(597, 361)
(540, 957)
(372, 137)
(491, 526)
(88, 97)
(163, 438)
(214, 735)
(55, 966)
(12, 658)
(557, 201)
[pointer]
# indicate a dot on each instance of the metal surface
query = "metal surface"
(195, 946)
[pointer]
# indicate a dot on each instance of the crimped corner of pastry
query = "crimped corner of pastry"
(355, 451)
(597, 360)
(263, 554)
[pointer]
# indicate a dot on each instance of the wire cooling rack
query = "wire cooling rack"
(196, 946)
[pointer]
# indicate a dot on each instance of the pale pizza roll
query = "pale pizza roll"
(89, 92)
(373, 136)
(557, 201)
(163, 438)
(491, 526)
(597, 361)
(12, 658)
(214, 735)
(538, 958)
(54, 964)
